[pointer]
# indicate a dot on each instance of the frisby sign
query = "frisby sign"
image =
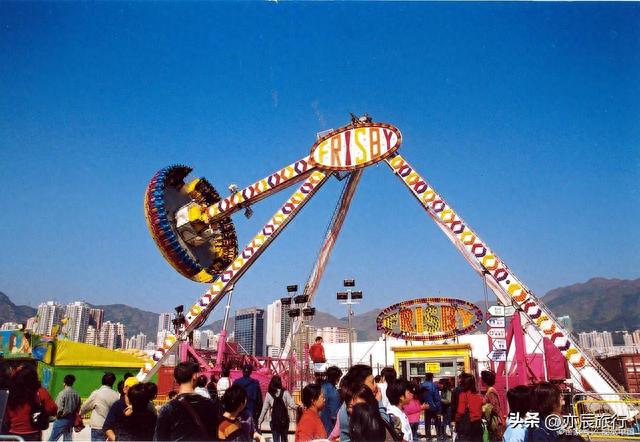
(429, 319)
(356, 146)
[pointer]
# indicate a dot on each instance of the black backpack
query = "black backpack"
(279, 414)
(463, 426)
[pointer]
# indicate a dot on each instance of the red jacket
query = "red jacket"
(316, 353)
(19, 418)
(474, 401)
(310, 427)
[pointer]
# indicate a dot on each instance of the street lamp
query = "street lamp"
(349, 298)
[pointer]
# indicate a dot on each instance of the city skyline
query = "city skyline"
(519, 117)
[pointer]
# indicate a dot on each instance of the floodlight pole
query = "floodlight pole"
(349, 302)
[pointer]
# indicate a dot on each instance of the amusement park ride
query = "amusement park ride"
(191, 224)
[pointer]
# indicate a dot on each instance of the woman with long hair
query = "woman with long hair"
(469, 412)
(276, 408)
(26, 398)
(492, 409)
(365, 424)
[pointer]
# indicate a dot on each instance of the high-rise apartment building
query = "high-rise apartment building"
(278, 325)
(112, 335)
(96, 317)
(91, 336)
(77, 321)
(137, 342)
(31, 324)
(164, 325)
(636, 338)
(336, 335)
(249, 330)
(49, 314)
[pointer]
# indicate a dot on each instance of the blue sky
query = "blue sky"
(523, 115)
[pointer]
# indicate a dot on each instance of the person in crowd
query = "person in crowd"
(316, 352)
(213, 391)
(332, 401)
(139, 420)
(413, 410)
(224, 382)
(189, 416)
(99, 403)
(310, 426)
(358, 375)
(377, 379)
(387, 375)
(519, 402)
(252, 388)
(399, 395)
(445, 406)
(231, 426)
(469, 412)
(365, 424)
(68, 402)
(116, 414)
(26, 398)
(546, 399)
(152, 390)
(492, 410)
(201, 386)
(276, 408)
(455, 396)
(430, 395)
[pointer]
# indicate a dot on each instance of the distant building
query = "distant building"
(137, 342)
(628, 339)
(249, 331)
(11, 326)
(278, 324)
(31, 324)
(96, 317)
(208, 340)
(77, 321)
(91, 336)
(336, 335)
(636, 338)
(49, 314)
(112, 335)
(565, 322)
(197, 340)
(164, 325)
(162, 336)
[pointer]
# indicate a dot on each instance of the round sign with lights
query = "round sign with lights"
(429, 319)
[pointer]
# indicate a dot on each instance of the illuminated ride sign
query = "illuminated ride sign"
(357, 146)
(429, 319)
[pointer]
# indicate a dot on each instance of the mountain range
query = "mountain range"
(598, 304)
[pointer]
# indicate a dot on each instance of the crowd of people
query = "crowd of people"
(354, 406)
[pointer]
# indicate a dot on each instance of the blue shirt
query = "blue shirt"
(254, 394)
(331, 406)
(430, 395)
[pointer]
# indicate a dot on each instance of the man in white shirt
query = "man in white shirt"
(399, 395)
(387, 375)
(99, 403)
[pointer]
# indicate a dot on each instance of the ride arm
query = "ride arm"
(335, 225)
(504, 283)
(277, 181)
(199, 312)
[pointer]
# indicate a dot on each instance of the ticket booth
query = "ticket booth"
(443, 360)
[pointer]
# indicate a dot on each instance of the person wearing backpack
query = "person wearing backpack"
(469, 412)
(189, 416)
(276, 408)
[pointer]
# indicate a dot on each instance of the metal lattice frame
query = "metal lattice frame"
(507, 287)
